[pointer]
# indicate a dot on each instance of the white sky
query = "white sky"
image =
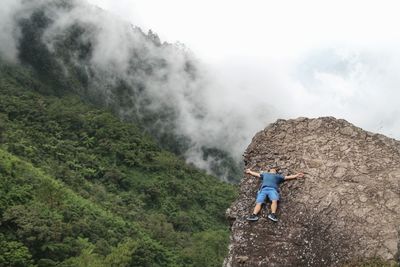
(337, 58)
(219, 29)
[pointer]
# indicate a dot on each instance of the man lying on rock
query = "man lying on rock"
(269, 187)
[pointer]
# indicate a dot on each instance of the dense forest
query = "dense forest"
(81, 187)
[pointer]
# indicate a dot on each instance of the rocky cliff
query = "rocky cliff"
(345, 210)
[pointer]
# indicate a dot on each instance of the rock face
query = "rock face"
(346, 209)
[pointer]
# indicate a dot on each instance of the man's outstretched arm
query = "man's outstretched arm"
(294, 176)
(255, 174)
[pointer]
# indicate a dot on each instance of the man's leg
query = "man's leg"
(257, 208)
(274, 206)
(272, 215)
(260, 199)
(274, 197)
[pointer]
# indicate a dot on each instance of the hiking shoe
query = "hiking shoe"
(252, 218)
(272, 217)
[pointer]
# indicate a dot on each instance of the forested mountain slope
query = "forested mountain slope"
(74, 47)
(79, 187)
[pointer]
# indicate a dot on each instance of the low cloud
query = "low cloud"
(360, 86)
(8, 31)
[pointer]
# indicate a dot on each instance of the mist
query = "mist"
(358, 84)
(161, 77)
(223, 104)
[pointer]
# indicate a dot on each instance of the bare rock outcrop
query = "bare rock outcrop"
(346, 209)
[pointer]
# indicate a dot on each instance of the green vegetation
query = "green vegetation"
(78, 187)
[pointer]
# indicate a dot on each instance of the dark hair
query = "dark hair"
(276, 167)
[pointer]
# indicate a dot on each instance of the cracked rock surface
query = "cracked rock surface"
(347, 208)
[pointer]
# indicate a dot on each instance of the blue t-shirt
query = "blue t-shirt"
(271, 179)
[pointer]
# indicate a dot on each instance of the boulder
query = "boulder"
(346, 209)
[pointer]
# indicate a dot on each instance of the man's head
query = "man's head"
(274, 169)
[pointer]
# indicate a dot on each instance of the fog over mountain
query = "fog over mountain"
(219, 106)
(340, 57)
(123, 66)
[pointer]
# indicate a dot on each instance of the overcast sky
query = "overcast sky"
(313, 58)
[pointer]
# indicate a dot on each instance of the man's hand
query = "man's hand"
(255, 174)
(294, 176)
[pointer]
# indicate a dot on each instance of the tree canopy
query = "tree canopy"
(79, 187)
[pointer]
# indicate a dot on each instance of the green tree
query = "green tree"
(121, 256)
(87, 257)
(208, 248)
(14, 253)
